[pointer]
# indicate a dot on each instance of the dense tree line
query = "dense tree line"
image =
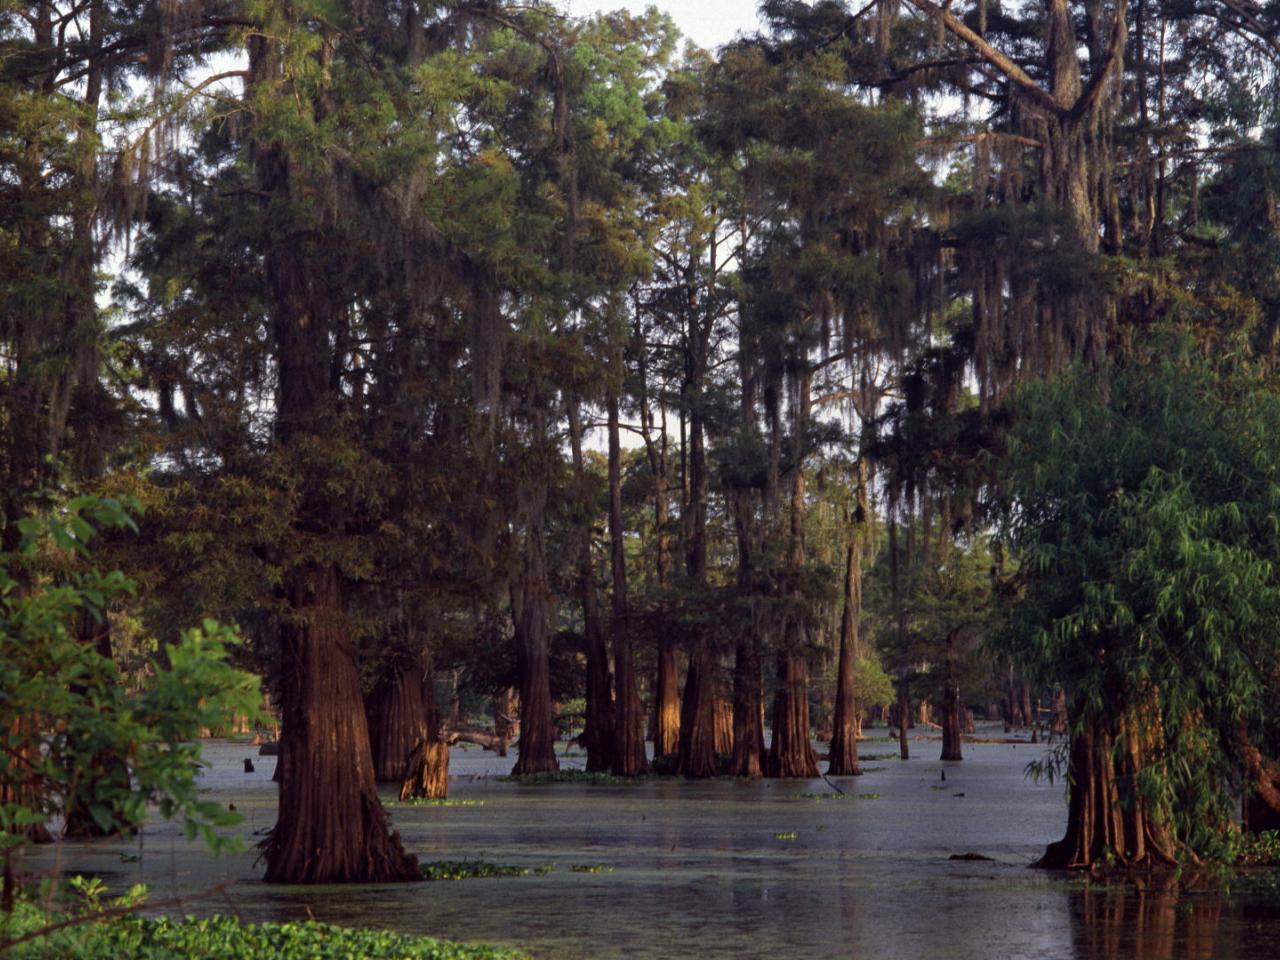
(714, 389)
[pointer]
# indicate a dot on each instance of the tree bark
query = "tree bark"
(791, 753)
(426, 771)
(666, 738)
(904, 718)
(952, 708)
(398, 719)
(697, 754)
(697, 710)
(628, 754)
(749, 755)
(843, 758)
(1108, 821)
(598, 733)
(331, 827)
(529, 608)
(502, 720)
(724, 725)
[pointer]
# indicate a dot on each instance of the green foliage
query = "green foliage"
(75, 738)
(1144, 523)
(1255, 849)
(872, 684)
(225, 938)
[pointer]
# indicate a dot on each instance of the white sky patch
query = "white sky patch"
(708, 23)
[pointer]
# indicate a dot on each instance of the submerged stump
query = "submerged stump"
(426, 771)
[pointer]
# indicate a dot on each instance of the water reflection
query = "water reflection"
(1128, 923)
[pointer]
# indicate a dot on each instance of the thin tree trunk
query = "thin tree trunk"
(628, 758)
(697, 752)
(843, 758)
(904, 717)
(530, 595)
(502, 719)
(952, 708)
(598, 734)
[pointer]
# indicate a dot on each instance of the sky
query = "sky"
(708, 23)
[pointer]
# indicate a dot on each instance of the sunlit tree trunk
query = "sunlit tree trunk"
(1109, 821)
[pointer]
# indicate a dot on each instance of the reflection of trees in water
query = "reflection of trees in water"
(1128, 923)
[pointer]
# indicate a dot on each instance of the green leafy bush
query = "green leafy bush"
(224, 938)
(73, 738)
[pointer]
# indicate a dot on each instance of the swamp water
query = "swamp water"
(722, 868)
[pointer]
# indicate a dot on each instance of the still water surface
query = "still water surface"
(699, 870)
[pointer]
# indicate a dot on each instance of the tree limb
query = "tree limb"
(1014, 73)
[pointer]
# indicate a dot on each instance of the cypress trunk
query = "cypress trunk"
(697, 754)
(1108, 820)
(843, 757)
(426, 771)
(537, 722)
(398, 720)
(598, 732)
(791, 753)
(952, 708)
(952, 724)
(724, 725)
(331, 826)
(666, 738)
(530, 597)
(748, 710)
(904, 717)
(697, 751)
(628, 756)
(503, 723)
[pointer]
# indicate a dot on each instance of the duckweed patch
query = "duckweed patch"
(591, 868)
(469, 870)
(434, 802)
(785, 835)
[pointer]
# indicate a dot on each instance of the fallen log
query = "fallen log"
(479, 736)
